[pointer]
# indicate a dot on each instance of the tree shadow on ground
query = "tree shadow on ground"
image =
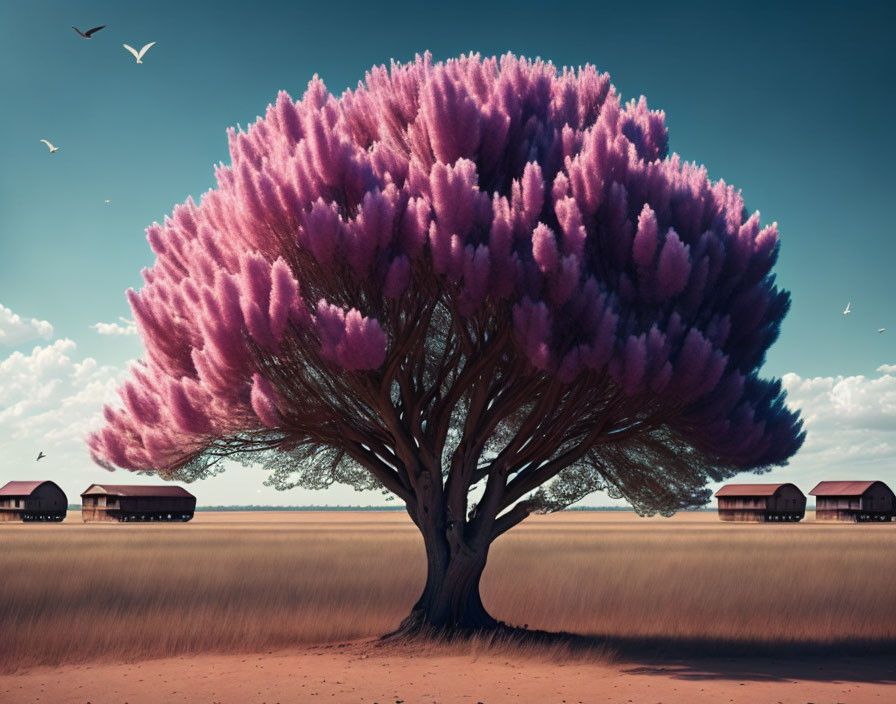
(843, 660)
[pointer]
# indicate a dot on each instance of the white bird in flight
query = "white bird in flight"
(880, 330)
(847, 311)
(138, 54)
(52, 148)
(106, 202)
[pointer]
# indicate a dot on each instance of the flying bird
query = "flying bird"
(106, 202)
(89, 32)
(847, 311)
(40, 456)
(138, 54)
(52, 148)
(880, 330)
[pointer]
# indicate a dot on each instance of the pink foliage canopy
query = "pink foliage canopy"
(502, 187)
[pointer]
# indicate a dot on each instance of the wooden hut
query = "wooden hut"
(760, 503)
(854, 501)
(116, 502)
(32, 501)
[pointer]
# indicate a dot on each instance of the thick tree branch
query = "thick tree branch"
(513, 517)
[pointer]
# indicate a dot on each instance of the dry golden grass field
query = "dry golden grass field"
(251, 582)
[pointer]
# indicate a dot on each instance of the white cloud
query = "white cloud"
(52, 397)
(15, 330)
(50, 400)
(851, 424)
(128, 327)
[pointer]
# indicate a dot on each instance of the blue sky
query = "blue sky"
(793, 107)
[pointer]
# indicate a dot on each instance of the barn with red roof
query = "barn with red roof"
(759, 503)
(40, 500)
(118, 502)
(854, 501)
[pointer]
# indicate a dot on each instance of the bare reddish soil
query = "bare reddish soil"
(359, 674)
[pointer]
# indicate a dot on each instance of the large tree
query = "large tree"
(483, 286)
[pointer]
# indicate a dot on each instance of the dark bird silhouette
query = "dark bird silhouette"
(40, 456)
(89, 32)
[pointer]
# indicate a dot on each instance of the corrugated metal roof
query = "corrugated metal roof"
(841, 488)
(136, 490)
(749, 489)
(20, 488)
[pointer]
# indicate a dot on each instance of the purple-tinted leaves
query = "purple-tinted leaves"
(349, 339)
(363, 345)
(454, 193)
(565, 280)
(618, 230)
(531, 322)
(323, 230)
(501, 233)
(600, 350)
(629, 368)
(330, 327)
(700, 366)
(674, 267)
(574, 233)
(398, 278)
(570, 366)
(477, 270)
(544, 249)
(377, 216)
(140, 403)
(264, 401)
(288, 117)
(415, 226)
(186, 401)
(285, 301)
(452, 119)
(646, 130)
(501, 188)
(532, 186)
(646, 241)
(765, 252)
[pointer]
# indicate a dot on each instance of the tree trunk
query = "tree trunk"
(450, 602)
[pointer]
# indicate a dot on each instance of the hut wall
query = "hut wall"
(751, 509)
(745, 503)
(47, 498)
(742, 515)
(853, 508)
(135, 505)
(127, 508)
(97, 513)
(9, 513)
(838, 503)
(788, 500)
(878, 499)
(832, 508)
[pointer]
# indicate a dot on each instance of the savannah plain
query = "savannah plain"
(288, 607)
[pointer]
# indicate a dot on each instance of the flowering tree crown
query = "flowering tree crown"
(465, 270)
